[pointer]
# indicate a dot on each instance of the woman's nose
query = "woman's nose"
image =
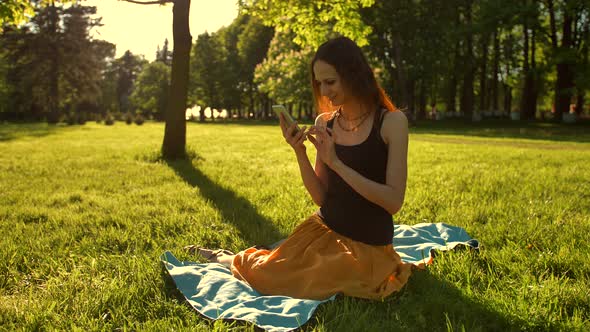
(323, 90)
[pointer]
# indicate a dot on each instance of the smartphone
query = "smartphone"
(280, 109)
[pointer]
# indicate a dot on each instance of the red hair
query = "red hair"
(354, 70)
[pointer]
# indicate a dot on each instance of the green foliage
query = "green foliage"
(207, 68)
(85, 58)
(223, 63)
(164, 55)
(14, 12)
(253, 44)
(312, 21)
(5, 87)
(152, 88)
(52, 63)
(80, 244)
(127, 67)
(285, 73)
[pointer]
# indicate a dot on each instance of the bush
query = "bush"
(71, 118)
(139, 120)
(81, 118)
(128, 118)
(109, 119)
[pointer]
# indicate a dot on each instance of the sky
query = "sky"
(141, 28)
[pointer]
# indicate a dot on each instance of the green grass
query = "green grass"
(86, 211)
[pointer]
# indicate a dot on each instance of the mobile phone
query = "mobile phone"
(280, 109)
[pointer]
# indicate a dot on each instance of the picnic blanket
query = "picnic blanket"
(211, 289)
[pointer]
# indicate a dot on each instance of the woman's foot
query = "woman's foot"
(212, 255)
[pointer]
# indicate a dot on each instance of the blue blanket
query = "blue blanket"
(215, 293)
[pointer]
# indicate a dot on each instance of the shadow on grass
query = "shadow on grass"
(252, 122)
(427, 303)
(15, 131)
(498, 128)
(253, 227)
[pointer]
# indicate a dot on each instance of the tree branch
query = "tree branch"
(154, 2)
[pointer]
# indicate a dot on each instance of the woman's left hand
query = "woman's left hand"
(323, 140)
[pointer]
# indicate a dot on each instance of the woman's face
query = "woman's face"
(329, 82)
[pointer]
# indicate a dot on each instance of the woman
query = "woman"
(359, 182)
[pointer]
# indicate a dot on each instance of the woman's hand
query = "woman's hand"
(324, 143)
(294, 136)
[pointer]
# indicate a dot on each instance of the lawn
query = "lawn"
(85, 212)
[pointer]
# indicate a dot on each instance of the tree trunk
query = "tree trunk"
(564, 85)
(452, 96)
(483, 74)
(422, 100)
(580, 101)
(467, 97)
(53, 100)
(507, 99)
(526, 89)
(411, 101)
(534, 79)
(496, 69)
(403, 99)
(251, 112)
(507, 88)
(174, 146)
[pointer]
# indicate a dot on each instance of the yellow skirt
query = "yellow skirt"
(316, 263)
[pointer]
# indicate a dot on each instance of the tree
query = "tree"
(528, 104)
(108, 101)
(284, 74)
(150, 96)
(164, 55)
(413, 49)
(174, 145)
(232, 80)
(5, 88)
(84, 59)
(53, 62)
(568, 26)
(252, 46)
(206, 69)
(128, 66)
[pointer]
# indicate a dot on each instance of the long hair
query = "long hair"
(356, 75)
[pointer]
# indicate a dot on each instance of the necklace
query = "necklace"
(362, 119)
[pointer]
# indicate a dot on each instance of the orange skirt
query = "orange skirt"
(316, 263)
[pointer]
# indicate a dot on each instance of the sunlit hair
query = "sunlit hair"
(355, 73)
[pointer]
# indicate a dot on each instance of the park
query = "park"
(107, 162)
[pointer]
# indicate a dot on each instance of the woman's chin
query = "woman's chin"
(336, 102)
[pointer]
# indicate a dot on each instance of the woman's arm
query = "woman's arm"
(390, 195)
(311, 177)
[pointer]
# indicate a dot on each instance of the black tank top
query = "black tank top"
(344, 210)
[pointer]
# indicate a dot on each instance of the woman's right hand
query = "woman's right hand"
(293, 136)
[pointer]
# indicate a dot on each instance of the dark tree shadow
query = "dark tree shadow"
(16, 131)
(253, 227)
(501, 128)
(427, 303)
(10, 132)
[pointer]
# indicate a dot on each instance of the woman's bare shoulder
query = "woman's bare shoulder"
(394, 125)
